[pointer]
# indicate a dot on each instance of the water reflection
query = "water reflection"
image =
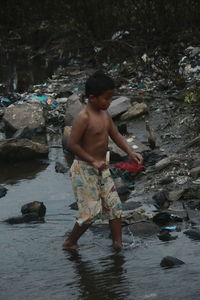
(10, 173)
(102, 279)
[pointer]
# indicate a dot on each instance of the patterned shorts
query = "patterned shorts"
(95, 193)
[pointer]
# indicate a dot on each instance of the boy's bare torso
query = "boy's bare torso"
(95, 138)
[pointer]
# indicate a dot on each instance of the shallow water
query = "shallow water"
(33, 265)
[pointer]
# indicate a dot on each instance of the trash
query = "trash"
(169, 227)
(130, 166)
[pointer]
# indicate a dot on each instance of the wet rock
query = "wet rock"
(119, 106)
(193, 234)
(166, 180)
(73, 107)
(195, 172)
(164, 235)
(74, 206)
(145, 228)
(192, 192)
(170, 261)
(24, 115)
(34, 207)
(165, 218)
(135, 111)
(3, 191)
(161, 200)
(22, 149)
(65, 136)
(130, 205)
(26, 218)
(61, 168)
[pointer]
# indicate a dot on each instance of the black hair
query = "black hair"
(97, 83)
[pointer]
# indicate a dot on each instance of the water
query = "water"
(33, 265)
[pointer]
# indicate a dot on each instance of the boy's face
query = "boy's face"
(103, 101)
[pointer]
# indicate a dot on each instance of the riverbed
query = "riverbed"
(33, 265)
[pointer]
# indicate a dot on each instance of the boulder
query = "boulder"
(73, 107)
(22, 149)
(170, 261)
(61, 167)
(119, 106)
(135, 111)
(24, 115)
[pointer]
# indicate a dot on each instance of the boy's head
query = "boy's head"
(98, 83)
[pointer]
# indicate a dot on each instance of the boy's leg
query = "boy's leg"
(116, 230)
(77, 231)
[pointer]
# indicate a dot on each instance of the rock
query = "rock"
(164, 236)
(34, 207)
(3, 191)
(24, 132)
(61, 168)
(135, 111)
(165, 218)
(122, 128)
(73, 107)
(161, 199)
(130, 205)
(170, 261)
(22, 149)
(193, 204)
(146, 228)
(26, 218)
(193, 234)
(132, 217)
(74, 206)
(195, 172)
(119, 106)
(163, 163)
(175, 195)
(166, 180)
(65, 136)
(24, 115)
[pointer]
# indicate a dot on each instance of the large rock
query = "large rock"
(24, 115)
(73, 107)
(135, 111)
(119, 106)
(21, 149)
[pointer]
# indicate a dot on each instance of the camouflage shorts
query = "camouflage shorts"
(95, 193)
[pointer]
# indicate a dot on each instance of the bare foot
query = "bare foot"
(67, 245)
(117, 246)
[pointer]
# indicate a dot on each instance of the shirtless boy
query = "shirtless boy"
(91, 180)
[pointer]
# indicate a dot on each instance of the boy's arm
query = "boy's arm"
(78, 129)
(122, 143)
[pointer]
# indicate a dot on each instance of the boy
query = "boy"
(91, 180)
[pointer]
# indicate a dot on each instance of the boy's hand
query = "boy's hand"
(137, 157)
(100, 164)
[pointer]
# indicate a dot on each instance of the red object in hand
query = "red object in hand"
(130, 166)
